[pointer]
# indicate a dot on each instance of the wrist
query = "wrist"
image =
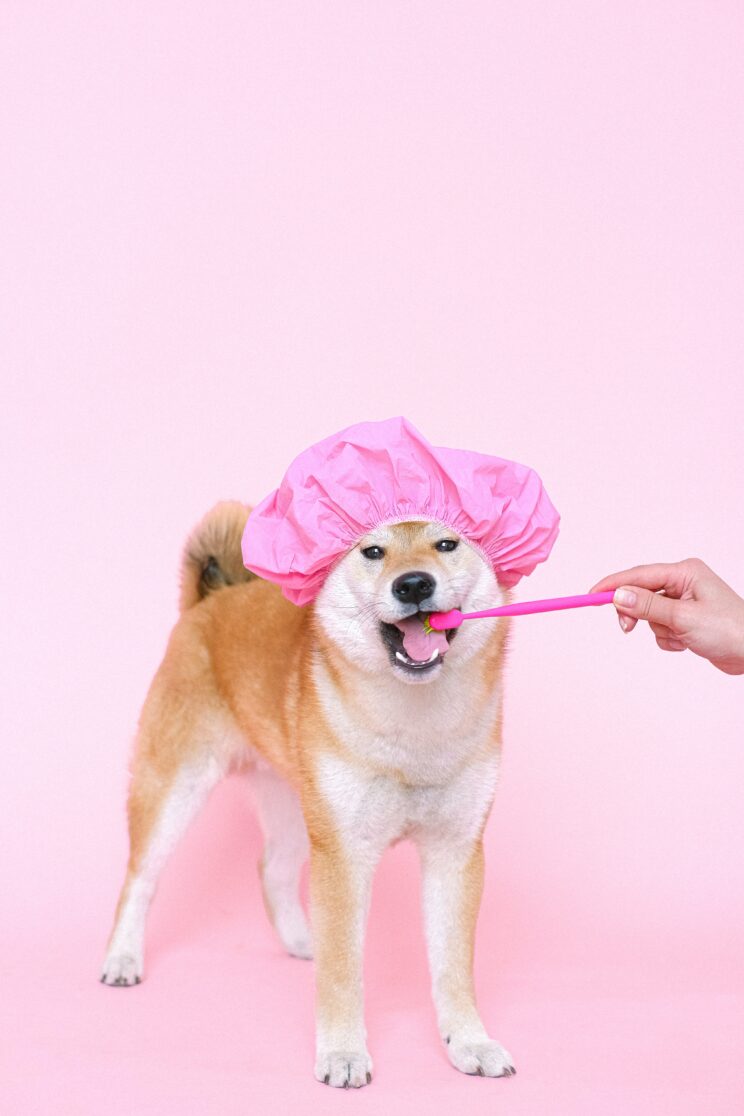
(732, 661)
(739, 657)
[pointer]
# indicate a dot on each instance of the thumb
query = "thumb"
(630, 600)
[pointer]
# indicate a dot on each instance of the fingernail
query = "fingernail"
(624, 597)
(624, 623)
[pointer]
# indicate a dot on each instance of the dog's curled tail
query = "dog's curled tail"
(212, 556)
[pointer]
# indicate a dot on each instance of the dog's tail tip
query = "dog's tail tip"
(212, 556)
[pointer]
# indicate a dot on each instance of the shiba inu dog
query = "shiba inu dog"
(358, 727)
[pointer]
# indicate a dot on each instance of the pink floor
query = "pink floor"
(223, 1021)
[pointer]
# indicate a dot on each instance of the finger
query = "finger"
(670, 644)
(632, 600)
(663, 631)
(657, 576)
(627, 623)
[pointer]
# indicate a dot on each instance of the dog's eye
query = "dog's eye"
(446, 544)
(373, 552)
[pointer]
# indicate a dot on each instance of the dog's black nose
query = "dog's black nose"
(412, 588)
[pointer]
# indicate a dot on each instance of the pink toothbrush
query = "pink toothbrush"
(440, 621)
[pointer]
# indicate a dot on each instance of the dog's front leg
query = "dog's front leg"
(452, 887)
(340, 881)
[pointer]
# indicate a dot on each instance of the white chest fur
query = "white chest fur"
(377, 810)
(420, 761)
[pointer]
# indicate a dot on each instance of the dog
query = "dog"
(356, 729)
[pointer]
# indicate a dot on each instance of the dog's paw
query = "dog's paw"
(344, 1069)
(121, 971)
(300, 946)
(487, 1059)
(291, 926)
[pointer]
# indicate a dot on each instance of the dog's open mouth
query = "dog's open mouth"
(413, 646)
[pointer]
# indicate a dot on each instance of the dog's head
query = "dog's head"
(375, 599)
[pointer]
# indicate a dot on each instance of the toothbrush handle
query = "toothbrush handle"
(554, 604)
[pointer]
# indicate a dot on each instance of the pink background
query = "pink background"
(230, 229)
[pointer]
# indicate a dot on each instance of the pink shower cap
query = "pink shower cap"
(386, 472)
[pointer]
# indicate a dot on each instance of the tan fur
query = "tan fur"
(217, 536)
(238, 685)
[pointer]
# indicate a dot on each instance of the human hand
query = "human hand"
(686, 605)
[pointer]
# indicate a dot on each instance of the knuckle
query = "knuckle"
(646, 605)
(684, 615)
(695, 564)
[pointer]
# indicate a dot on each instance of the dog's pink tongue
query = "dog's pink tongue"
(419, 644)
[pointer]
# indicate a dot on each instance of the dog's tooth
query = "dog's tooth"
(415, 663)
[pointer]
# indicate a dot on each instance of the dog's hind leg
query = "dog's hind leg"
(160, 807)
(285, 852)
